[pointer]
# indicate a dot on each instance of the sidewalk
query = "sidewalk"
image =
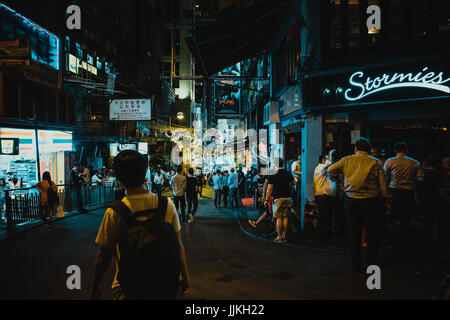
(266, 232)
(4, 234)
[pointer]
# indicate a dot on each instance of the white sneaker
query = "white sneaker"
(191, 218)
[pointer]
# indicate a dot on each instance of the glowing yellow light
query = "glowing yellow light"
(374, 31)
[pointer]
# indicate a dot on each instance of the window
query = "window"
(287, 60)
(99, 64)
(168, 42)
(166, 69)
(353, 25)
(79, 51)
(67, 44)
(335, 39)
(395, 20)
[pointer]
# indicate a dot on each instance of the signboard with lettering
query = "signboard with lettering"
(292, 100)
(227, 91)
(9, 146)
(427, 80)
(130, 110)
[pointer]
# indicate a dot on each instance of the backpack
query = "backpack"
(52, 196)
(151, 272)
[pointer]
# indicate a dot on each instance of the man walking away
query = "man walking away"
(178, 184)
(76, 181)
(192, 194)
(201, 182)
(233, 185)
(403, 172)
(159, 182)
(324, 190)
(364, 182)
(217, 183)
(241, 181)
(280, 188)
(225, 189)
(145, 268)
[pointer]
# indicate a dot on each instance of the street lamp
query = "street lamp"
(180, 116)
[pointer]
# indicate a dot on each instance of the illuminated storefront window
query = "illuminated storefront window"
(52, 148)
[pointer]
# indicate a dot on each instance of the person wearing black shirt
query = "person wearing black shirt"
(431, 195)
(280, 189)
(191, 194)
(241, 184)
(76, 180)
(201, 182)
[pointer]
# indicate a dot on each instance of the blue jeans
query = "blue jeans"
(234, 200)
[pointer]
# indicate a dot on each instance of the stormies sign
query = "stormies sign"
(382, 84)
(362, 87)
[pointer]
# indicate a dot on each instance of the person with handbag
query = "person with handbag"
(49, 198)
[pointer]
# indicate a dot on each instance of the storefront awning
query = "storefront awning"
(237, 36)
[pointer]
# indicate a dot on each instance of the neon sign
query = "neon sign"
(423, 79)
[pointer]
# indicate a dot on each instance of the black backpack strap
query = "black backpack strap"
(162, 207)
(123, 211)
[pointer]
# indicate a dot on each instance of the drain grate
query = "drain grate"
(226, 279)
(282, 275)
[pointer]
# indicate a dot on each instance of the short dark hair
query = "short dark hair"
(362, 144)
(46, 176)
(180, 169)
(130, 168)
(191, 171)
(321, 158)
(401, 147)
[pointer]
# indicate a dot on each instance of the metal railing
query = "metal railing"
(23, 205)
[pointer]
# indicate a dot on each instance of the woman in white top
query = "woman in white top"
(47, 207)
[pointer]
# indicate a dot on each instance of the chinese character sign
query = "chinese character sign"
(130, 110)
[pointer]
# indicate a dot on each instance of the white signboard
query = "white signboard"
(130, 110)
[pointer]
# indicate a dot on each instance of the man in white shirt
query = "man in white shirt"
(129, 167)
(324, 193)
(403, 173)
(178, 184)
(159, 181)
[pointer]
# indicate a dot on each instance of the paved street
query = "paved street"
(225, 263)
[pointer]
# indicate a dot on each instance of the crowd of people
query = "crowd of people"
(373, 199)
(363, 198)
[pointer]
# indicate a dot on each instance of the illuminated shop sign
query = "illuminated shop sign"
(9, 146)
(54, 141)
(143, 147)
(362, 87)
(130, 110)
(73, 64)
